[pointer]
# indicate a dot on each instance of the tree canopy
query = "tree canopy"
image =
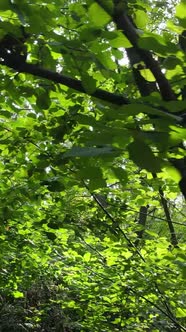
(92, 164)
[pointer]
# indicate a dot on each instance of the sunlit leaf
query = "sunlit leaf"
(98, 15)
(141, 19)
(147, 74)
(181, 9)
(86, 257)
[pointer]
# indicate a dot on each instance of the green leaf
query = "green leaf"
(90, 152)
(86, 257)
(181, 10)
(157, 43)
(148, 75)
(94, 176)
(88, 82)
(133, 109)
(120, 41)
(5, 5)
(98, 15)
(106, 60)
(172, 173)
(43, 100)
(142, 156)
(171, 62)
(53, 185)
(107, 299)
(71, 203)
(121, 174)
(90, 172)
(141, 18)
(90, 34)
(97, 183)
(151, 233)
(17, 294)
(176, 106)
(177, 134)
(180, 312)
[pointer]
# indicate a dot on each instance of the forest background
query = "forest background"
(92, 165)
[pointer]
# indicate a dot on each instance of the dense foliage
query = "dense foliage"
(92, 164)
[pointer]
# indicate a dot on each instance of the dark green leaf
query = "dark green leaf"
(89, 83)
(142, 156)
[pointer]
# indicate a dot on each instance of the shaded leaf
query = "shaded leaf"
(89, 83)
(90, 152)
(143, 156)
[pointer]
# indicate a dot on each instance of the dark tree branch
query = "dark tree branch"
(116, 228)
(123, 23)
(174, 240)
(136, 54)
(17, 63)
(177, 324)
(180, 164)
(145, 88)
(142, 222)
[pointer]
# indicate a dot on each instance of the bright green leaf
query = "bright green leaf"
(147, 74)
(86, 257)
(141, 19)
(181, 9)
(17, 294)
(98, 15)
(180, 312)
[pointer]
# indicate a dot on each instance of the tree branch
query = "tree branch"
(174, 240)
(116, 228)
(123, 23)
(18, 64)
(142, 221)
